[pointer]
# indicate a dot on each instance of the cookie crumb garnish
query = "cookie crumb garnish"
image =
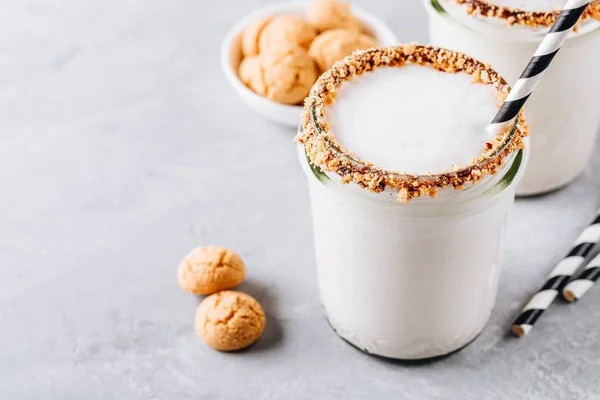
(515, 16)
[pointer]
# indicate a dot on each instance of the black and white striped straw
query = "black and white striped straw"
(583, 282)
(577, 287)
(538, 64)
(509, 110)
(560, 275)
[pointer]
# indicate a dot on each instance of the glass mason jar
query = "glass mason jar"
(564, 110)
(409, 281)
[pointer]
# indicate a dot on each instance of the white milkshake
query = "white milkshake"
(418, 279)
(374, 103)
(564, 111)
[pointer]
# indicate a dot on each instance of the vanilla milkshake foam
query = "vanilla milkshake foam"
(409, 197)
(564, 110)
(374, 102)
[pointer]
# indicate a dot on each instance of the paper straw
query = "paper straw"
(560, 275)
(577, 287)
(538, 64)
(509, 110)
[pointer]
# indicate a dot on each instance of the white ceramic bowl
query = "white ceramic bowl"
(231, 57)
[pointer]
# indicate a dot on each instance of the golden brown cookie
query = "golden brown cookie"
(284, 76)
(209, 269)
(336, 44)
(283, 31)
(229, 320)
(251, 35)
(251, 73)
(330, 14)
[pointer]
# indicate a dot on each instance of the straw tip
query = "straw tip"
(518, 330)
(569, 295)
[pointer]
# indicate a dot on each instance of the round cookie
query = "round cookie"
(209, 269)
(329, 14)
(251, 74)
(251, 34)
(284, 76)
(283, 31)
(229, 320)
(336, 44)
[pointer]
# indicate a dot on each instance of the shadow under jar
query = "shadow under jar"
(564, 110)
(406, 280)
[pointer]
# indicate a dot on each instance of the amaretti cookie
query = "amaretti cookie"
(209, 269)
(230, 320)
(284, 76)
(330, 14)
(336, 44)
(286, 30)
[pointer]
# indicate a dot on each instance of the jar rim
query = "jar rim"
(513, 15)
(510, 175)
(324, 150)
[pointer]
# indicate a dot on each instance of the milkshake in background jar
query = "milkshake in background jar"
(409, 197)
(564, 110)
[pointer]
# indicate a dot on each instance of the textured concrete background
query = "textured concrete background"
(123, 147)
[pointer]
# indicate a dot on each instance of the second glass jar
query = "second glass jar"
(564, 110)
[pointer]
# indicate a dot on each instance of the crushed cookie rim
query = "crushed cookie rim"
(481, 164)
(352, 169)
(516, 16)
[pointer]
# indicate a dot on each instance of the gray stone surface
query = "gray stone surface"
(122, 147)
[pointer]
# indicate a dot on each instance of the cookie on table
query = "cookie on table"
(230, 320)
(209, 269)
